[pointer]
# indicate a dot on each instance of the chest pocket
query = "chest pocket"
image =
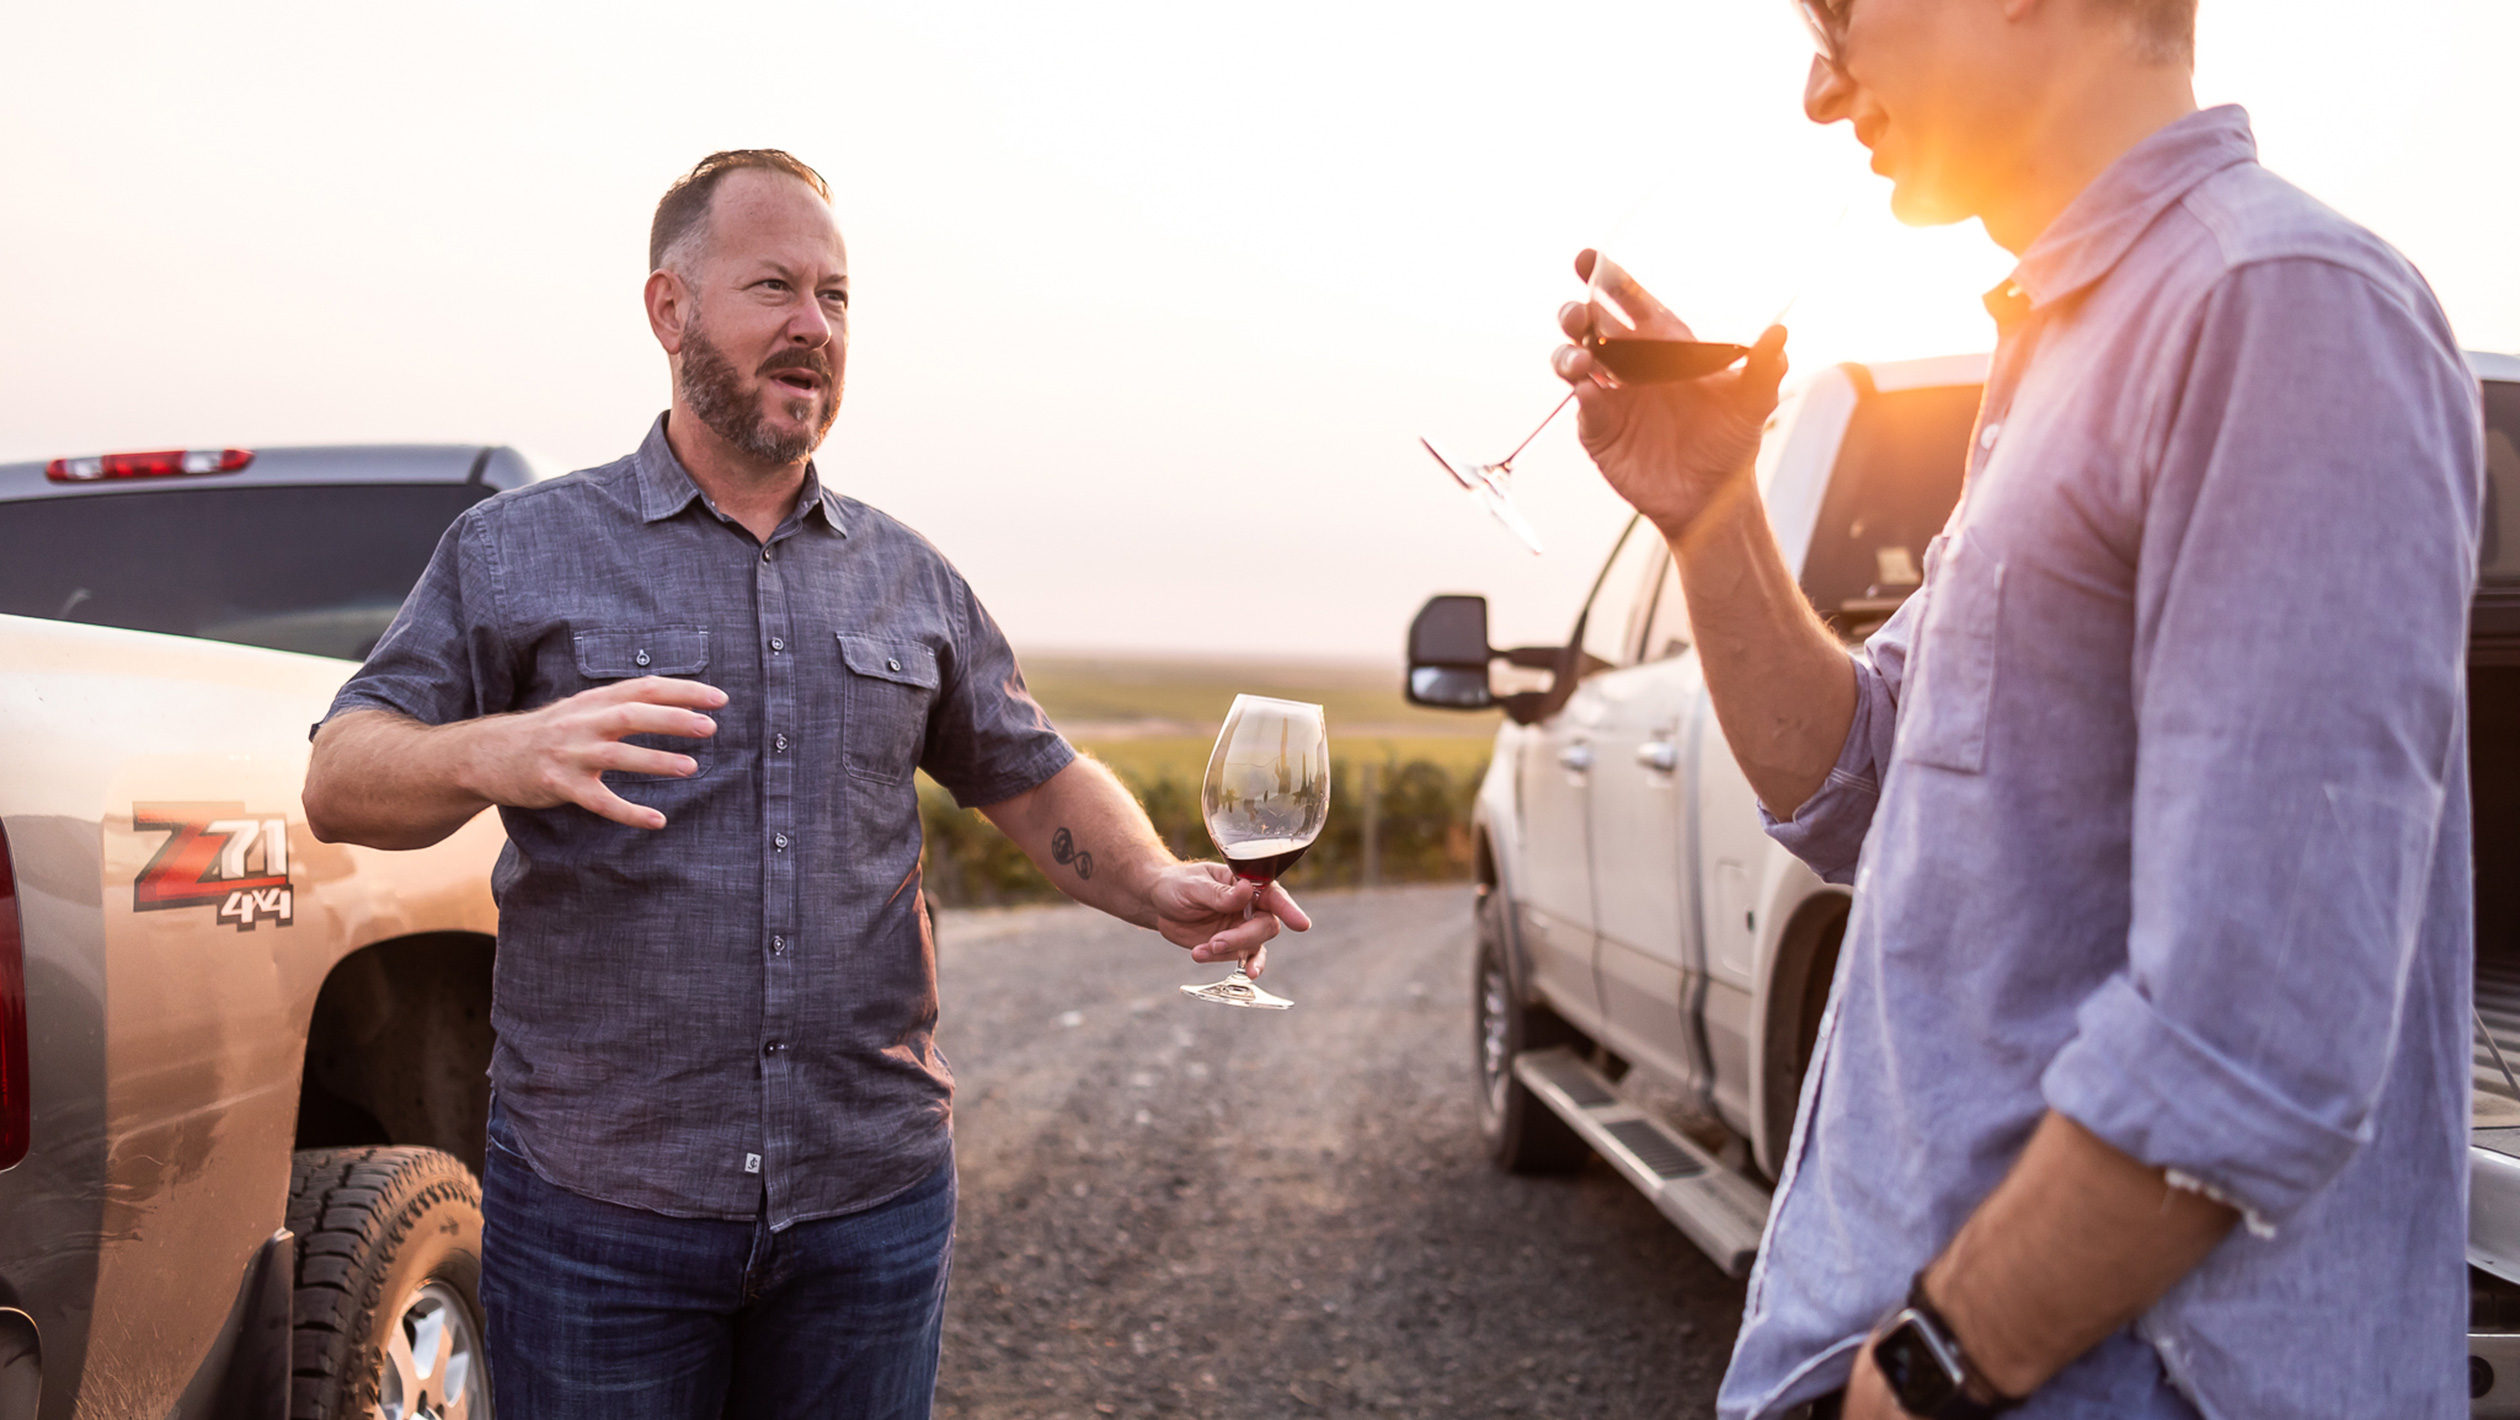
(891, 684)
(1942, 721)
(607, 656)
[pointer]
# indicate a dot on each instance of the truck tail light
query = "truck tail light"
(16, 1113)
(166, 463)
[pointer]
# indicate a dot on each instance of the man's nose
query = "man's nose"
(809, 327)
(1827, 91)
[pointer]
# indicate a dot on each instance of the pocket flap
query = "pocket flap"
(905, 662)
(659, 650)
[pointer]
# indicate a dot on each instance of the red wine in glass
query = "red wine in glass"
(1265, 798)
(1262, 860)
(1632, 361)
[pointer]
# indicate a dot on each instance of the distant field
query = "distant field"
(1184, 757)
(1108, 701)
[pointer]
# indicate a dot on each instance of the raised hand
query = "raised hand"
(1671, 450)
(540, 759)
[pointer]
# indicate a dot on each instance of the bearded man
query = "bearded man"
(696, 683)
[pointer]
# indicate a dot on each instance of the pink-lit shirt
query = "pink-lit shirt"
(2156, 809)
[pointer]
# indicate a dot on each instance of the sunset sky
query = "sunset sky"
(1152, 300)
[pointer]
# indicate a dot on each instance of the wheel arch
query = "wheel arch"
(398, 1047)
(1795, 992)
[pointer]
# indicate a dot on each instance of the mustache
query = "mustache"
(812, 361)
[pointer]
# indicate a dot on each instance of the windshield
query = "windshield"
(315, 569)
(2501, 562)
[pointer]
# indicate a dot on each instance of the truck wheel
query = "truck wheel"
(388, 1287)
(1520, 1133)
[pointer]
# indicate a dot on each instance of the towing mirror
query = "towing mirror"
(1448, 655)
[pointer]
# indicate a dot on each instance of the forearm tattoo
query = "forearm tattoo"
(1063, 851)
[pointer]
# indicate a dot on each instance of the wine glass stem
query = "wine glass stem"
(1507, 462)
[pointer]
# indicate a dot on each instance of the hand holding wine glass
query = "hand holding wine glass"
(1266, 797)
(1669, 447)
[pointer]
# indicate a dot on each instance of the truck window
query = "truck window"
(2501, 560)
(317, 569)
(1610, 626)
(1897, 476)
(1666, 618)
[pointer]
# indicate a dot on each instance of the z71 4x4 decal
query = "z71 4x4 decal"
(239, 865)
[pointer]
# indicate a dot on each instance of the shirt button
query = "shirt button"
(1988, 435)
(889, 665)
(778, 946)
(780, 743)
(777, 644)
(641, 658)
(774, 1047)
(780, 840)
(765, 554)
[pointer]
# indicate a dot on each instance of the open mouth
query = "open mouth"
(802, 382)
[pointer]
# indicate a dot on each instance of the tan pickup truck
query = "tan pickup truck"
(242, 1077)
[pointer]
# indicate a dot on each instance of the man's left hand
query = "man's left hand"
(1202, 905)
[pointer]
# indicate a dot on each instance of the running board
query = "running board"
(1721, 1211)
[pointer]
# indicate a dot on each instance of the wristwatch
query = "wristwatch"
(1929, 1375)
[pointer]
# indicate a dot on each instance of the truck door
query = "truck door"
(1644, 879)
(1555, 894)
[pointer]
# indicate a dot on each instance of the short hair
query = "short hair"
(685, 206)
(2164, 31)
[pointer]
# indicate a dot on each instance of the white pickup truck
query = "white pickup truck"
(242, 1078)
(1652, 968)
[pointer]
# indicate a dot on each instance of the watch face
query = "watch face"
(1911, 1359)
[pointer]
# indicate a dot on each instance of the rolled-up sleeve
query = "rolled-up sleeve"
(2307, 559)
(988, 739)
(444, 658)
(1828, 830)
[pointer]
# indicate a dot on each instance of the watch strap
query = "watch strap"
(1977, 1398)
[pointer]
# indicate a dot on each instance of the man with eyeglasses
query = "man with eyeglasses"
(2144, 1086)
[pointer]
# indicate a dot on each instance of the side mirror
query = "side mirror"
(1449, 655)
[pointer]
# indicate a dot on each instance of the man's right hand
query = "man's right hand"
(1671, 450)
(540, 759)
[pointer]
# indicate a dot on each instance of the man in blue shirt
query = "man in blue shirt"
(696, 683)
(2144, 1086)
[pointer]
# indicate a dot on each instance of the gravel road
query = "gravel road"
(1175, 1208)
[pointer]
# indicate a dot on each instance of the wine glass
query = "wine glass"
(1265, 797)
(1724, 234)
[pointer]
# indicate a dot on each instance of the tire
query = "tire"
(389, 1319)
(1520, 1133)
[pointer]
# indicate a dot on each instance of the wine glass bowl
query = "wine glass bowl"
(1265, 797)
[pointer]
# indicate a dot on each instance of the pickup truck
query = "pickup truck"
(1651, 968)
(242, 1073)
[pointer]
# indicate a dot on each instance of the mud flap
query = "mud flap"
(256, 1386)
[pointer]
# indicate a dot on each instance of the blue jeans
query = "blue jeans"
(598, 1310)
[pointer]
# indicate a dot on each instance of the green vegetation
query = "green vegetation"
(1153, 723)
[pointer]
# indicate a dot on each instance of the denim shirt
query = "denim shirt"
(2155, 805)
(738, 1010)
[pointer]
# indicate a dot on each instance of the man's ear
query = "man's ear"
(668, 308)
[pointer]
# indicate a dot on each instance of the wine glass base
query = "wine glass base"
(1238, 990)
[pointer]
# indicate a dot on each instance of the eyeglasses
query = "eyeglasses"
(1826, 19)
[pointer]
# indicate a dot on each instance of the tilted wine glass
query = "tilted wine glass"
(1686, 239)
(1265, 797)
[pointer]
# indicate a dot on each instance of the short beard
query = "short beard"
(717, 394)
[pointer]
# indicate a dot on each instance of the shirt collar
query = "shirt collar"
(2103, 222)
(666, 487)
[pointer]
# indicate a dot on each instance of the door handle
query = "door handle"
(1660, 755)
(1576, 758)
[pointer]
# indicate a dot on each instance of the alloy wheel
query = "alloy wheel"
(433, 1363)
